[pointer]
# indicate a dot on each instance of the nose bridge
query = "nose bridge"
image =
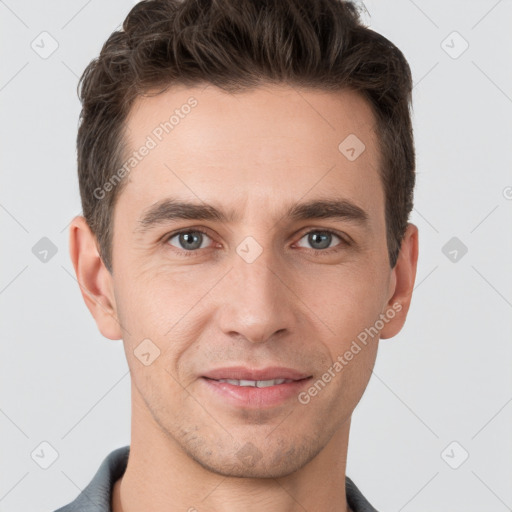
(256, 303)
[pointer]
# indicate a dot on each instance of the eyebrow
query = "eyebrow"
(174, 209)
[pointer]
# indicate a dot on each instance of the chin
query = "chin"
(249, 461)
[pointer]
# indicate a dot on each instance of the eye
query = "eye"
(189, 240)
(321, 240)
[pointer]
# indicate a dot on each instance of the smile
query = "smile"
(256, 383)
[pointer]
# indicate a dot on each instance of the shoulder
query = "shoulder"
(355, 499)
(96, 497)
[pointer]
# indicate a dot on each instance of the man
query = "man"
(246, 171)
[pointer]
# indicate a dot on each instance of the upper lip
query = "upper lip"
(244, 373)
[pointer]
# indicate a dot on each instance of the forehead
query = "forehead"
(253, 150)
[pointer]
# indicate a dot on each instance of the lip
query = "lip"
(244, 373)
(250, 397)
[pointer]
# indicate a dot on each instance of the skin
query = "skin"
(253, 153)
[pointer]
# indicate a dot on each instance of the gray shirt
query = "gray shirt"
(97, 496)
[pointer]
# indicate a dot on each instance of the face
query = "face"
(273, 268)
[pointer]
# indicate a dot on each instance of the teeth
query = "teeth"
(256, 383)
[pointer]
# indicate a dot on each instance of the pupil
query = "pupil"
(313, 238)
(187, 239)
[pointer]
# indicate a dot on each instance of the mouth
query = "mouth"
(255, 389)
(255, 383)
(264, 375)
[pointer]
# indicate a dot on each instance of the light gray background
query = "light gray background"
(446, 377)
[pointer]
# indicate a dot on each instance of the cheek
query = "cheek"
(162, 313)
(157, 298)
(350, 308)
(348, 299)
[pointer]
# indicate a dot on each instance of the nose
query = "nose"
(257, 301)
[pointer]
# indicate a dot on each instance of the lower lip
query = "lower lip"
(253, 397)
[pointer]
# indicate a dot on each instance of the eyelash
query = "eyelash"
(315, 252)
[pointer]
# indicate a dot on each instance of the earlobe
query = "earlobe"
(403, 277)
(94, 279)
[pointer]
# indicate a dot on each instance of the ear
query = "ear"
(402, 284)
(96, 282)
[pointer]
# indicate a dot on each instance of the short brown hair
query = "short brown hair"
(237, 45)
